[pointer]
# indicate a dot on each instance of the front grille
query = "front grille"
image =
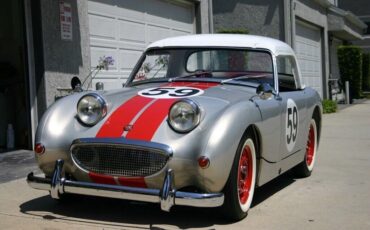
(119, 160)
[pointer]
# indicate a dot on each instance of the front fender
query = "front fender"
(223, 142)
(56, 131)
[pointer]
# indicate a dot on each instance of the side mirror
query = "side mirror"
(76, 84)
(265, 91)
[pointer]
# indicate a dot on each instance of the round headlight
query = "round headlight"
(91, 108)
(184, 116)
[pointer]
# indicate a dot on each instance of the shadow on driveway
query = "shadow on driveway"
(120, 213)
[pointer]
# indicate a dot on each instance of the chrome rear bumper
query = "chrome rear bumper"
(167, 196)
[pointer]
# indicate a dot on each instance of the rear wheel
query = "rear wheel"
(240, 186)
(305, 168)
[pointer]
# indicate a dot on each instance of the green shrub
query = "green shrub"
(329, 106)
(350, 68)
(366, 71)
(233, 31)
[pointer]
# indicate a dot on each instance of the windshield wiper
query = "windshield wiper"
(197, 73)
(242, 78)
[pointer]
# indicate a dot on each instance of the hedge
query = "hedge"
(350, 68)
(233, 31)
(366, 71)
(329, 106)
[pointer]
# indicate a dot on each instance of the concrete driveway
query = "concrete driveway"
(336, 196)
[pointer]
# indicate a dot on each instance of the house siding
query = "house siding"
(260, 17)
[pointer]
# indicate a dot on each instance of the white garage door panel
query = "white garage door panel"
(156, 33)
(101, 27)
(308, 50)
(128, 59)
(131, 31)
(123, 28)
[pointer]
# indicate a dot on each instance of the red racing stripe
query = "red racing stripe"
(102, 179)
(113, 127)
(125, 181)
(150, 120)
(138, 182)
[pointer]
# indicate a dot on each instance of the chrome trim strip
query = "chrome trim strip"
(167, 196)
(123, 141)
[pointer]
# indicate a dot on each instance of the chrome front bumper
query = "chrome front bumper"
(167, 196)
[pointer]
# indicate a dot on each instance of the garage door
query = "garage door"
(308, 49)
(123, 28)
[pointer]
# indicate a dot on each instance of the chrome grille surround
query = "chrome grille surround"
(119, 157)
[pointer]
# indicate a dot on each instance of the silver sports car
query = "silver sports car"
(201, 121)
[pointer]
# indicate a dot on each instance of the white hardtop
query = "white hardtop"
(226, 40)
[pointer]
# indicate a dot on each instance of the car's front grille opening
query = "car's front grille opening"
(119, 160)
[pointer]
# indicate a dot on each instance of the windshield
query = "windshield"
(223, 65)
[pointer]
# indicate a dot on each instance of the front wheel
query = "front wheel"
(305, 168)
(239, 188)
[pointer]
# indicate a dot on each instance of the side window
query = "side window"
(287, 73)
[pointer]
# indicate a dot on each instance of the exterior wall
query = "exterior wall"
(63, 59)
(338, 23)
(360, 8)
(260, 17)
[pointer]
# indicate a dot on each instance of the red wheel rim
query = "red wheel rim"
(310, 149)
(245, 174)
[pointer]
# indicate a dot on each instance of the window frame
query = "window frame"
(295, 72)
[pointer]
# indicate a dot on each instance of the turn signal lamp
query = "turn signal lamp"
(203, 162)
(39, 148)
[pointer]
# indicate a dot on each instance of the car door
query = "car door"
(293, 107)
(270, 127)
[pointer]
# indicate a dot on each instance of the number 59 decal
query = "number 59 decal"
(170, 92)
(291, 124)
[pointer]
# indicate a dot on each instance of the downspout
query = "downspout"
(210, 16)
(292, 23)
(289, 22)
(32, 92)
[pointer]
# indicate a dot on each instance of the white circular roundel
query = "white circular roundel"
(170, 92)
(291, 125)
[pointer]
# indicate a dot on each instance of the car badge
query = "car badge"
(128, 128)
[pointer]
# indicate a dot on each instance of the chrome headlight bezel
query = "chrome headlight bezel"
(99, 109)
(192, 112)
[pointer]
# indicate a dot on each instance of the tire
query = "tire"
(239, 189)
(305, 168)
